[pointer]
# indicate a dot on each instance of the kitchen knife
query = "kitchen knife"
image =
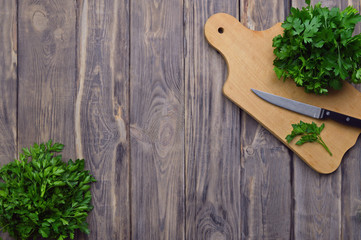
(307, 109)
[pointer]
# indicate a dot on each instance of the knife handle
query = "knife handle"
(341, 118)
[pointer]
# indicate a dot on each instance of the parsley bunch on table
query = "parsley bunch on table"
(42, 196)
(309, 132)
(317, 49)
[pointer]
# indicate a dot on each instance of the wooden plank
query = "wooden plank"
(8, 81)
(351, 178)
(47, 73)
(8, 84)
(266, 183)
(212, 133)
(101, 112)
(317, 209)
(47, 65)
(157, 119)
(351, 193)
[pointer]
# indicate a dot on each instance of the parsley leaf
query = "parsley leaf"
(42, 196)
(309, 132)
(317, 48)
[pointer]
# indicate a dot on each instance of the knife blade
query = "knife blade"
(307, 109)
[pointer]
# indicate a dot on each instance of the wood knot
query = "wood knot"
(249, 150)
(40, 20)
(58, 34)
(166, 134)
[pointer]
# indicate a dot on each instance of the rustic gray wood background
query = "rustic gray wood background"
(133, 87)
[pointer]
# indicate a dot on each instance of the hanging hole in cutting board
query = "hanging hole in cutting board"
(221, 30)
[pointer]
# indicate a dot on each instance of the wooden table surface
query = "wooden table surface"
(134, 88)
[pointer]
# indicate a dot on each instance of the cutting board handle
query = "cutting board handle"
(220, 32)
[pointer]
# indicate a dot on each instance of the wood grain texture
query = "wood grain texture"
(101, 112)
(317, 210)
(8, 84)
(212, 133)
(266, 186)
(325, 3)
(47, 66)
(8, 81)
(350, 170)
(351, 194)
(157, 119)
(258, 15)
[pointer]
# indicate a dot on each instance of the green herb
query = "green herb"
(317, 49)
(42, 196)
(309, 132)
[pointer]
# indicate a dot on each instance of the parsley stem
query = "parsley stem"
(319, 140)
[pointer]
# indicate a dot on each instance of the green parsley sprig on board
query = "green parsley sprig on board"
(317, 49)
(309, 132)
(42, 196)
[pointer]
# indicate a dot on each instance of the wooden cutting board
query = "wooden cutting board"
(249, 56)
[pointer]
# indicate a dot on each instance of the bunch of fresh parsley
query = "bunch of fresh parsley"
(317, 49)
(42, 196)
(309, 132)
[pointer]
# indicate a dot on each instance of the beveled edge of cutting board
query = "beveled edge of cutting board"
(212, 36)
